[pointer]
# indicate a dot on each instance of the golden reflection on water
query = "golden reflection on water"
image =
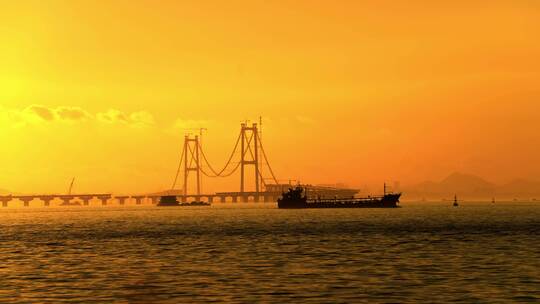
(421, 252)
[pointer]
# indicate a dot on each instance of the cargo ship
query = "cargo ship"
(297, 198)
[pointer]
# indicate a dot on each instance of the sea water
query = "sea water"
(248, 253)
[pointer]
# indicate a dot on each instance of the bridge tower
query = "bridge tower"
(192, 162)
(249, 155)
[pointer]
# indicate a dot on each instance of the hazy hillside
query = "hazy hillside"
(471, 186)
(4, 192)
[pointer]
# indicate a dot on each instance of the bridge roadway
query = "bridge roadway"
(222, 197)
(105, 199)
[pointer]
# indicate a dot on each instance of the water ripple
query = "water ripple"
(420, 253)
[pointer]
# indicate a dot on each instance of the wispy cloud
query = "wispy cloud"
(138, 119)
(72, 114)
(186, 124)
(113, 116)
(141, 118)
(39, 114)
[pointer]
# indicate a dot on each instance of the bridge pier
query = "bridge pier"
(122, 199)
(26, 200)
(222, 199)
(103, 199)
(46, 200)
(5, 200)
(67, 200)
(86, 199)
(138, 199)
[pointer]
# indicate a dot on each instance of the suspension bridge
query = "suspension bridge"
(194, 165)
(249, 147)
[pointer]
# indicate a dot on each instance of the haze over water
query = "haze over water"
(429, 252)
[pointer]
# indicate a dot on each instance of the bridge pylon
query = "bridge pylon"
(249, 155)
(192, 162)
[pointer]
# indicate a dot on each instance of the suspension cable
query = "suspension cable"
(268, 163)
(262, 178)
(259, 172)
(214, 172)
(179, 167)
(220, 173)
(192, 158)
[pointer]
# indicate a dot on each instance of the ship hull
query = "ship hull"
(386, 201)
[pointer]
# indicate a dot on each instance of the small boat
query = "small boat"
(171, 201)
(168, 201)
(455, 201)
(297, 199)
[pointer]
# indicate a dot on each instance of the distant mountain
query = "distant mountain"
(4, 192)
(467, 183)
(471, 186)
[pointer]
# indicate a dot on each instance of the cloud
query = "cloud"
(142, 118)
(138, 119)
(36, 114)
(185, 124)
(40, 112)
(72, 114)
(113, 116)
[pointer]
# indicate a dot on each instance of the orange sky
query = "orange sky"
(350, 91)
